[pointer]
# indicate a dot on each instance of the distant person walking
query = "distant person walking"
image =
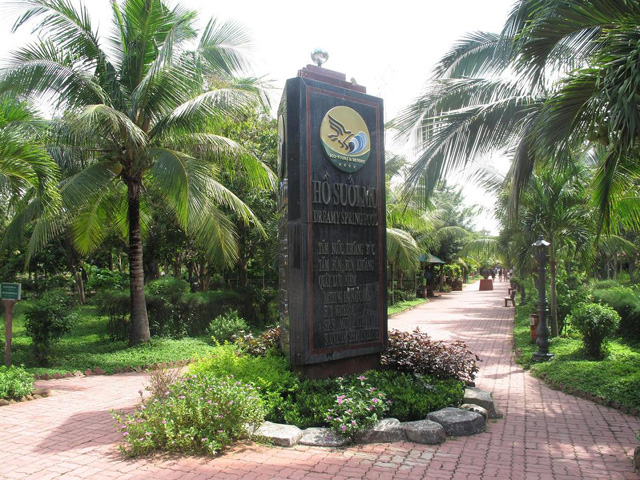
(500, 274)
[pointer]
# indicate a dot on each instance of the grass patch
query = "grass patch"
(406, 305)
(88, 346)
(616, 378)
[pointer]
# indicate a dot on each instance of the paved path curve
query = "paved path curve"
(545, 434)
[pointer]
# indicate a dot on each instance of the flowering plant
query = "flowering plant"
(357, 407)
(197, 414)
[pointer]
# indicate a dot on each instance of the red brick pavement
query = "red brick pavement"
(545, 434)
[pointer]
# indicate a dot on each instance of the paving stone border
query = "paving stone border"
(99, 371)
(37, 393)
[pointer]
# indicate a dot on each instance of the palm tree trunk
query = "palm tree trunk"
(392, 287)
(139, 332)
(552, 288)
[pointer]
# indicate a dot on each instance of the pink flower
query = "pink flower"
(362, 377)
(181, 397)
(164, 422)
(375, 400)
(230, 402)
(204, 439)
(344, 427)
(125, 434)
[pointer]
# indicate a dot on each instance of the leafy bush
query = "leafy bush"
(270, 375)
(165, 306)
(595, 323)
(47, 320)
(115, 304)
(625, 301)
(199, 414)
(414, 396)
(225, 326)
(571, 291)
(356, 407)
(415, 352)
(101, 279)
(15, 382)
(160, 380)
(267, 342)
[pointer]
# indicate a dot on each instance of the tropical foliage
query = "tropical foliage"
(136, 127)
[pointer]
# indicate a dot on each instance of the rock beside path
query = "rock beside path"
(278, 434)
(425, 432)
(322, 437)
(457, 422)
(388, 430)
(483, 399)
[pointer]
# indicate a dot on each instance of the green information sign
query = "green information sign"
(10, 291)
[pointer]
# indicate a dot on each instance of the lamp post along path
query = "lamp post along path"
(541, 247)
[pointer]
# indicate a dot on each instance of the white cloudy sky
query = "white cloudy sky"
(389, 47)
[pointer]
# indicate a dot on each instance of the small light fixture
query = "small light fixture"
(319, 56)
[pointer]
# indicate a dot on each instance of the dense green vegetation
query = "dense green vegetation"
(88, 346)
(616, 378)
(234, 387)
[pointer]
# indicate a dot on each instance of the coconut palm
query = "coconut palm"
(136, 110)
(559, 79)
(25, 167)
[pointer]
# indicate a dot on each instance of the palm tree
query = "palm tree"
(25, 167)
(559, 79)
(136, 111)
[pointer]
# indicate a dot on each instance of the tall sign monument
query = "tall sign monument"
(332, 257)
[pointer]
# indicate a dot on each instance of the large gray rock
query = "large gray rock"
(322, 437)
(278, 434)
(483, 399)
(458, 423)
(386, 431)
(425, 432)
(475, 408)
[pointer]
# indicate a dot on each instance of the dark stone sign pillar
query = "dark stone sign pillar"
(333, 302)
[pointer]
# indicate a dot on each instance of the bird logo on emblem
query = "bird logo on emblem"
(352, 143)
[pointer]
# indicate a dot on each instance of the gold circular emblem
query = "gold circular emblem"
(345, 138)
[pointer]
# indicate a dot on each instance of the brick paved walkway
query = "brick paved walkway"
(545, 434)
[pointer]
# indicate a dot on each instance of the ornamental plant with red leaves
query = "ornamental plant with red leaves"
(416, 352)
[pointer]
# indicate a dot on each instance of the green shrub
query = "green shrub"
(414, 396)
(415, 352)
(15, 382)
(101, 279)
(115, 304)
(625, 301)
(225, 326)
(307, 404)
(270, 375)
(47, 319)
(355, 407)
(268, 342)
(198, 415)
(165, 306)
(595, 323)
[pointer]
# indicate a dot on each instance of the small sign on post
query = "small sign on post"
(10, 293)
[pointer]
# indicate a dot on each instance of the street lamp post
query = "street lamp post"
(542, 256)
